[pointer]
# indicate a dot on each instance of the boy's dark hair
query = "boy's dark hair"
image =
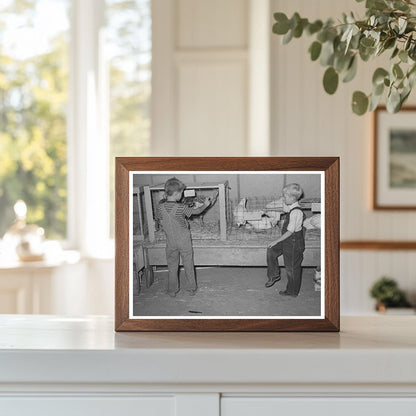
(173, 185)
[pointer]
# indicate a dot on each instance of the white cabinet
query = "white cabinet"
(270, 406)
(88, 406)
(80, 366)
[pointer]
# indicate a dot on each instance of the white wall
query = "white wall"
(308, 122)
(203, 93)
(200, 77)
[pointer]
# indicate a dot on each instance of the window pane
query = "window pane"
(33, 100)
(129, 43)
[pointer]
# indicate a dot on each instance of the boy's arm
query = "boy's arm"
(295, 220)
(283, 237)
(199, 210)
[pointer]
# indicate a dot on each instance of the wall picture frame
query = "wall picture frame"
(394, 159)
(227, 211)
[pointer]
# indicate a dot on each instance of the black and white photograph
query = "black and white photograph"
(226, 244)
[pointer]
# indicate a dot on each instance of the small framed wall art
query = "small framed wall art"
(394, 159)
(227, 244)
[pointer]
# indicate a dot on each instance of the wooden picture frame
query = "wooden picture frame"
(394, 184)
(131, 169)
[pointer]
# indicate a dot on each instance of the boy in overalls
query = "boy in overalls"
(173, 216)
(291, 244)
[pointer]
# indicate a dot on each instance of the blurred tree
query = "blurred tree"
(33, 96)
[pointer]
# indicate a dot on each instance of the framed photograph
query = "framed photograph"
(394, 178)
(227, 244)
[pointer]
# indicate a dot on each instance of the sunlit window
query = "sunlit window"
(33, 103)
(129, 58)
(36, 89)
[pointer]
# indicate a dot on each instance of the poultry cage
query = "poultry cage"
(230, 232)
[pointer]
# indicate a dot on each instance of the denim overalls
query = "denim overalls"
(292, 249)
(178, 243)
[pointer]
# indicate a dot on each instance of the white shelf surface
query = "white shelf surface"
(53, 349)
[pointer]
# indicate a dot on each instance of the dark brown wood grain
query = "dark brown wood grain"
(376, 205)
(121, 244)
(330, 165)
(378, 245)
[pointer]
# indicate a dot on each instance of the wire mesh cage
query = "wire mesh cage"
(250, 218)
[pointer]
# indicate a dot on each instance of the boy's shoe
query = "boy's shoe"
(192, 292)
(173, 294)
(271, 282)
(286, 293)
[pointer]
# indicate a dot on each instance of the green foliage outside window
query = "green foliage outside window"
(34, 103)
(33, 99)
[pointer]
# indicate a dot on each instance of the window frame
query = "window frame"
(87, 133)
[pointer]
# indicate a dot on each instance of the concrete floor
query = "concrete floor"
(228, 291)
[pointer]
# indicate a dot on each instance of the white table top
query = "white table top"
(58, 349)
(53, 332)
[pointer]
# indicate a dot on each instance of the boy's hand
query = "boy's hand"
(273, 243)
(207, 201)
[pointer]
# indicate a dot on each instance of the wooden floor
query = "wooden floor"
(228, 291)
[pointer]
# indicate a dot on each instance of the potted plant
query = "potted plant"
(387, 294)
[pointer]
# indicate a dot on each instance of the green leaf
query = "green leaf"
(314, 27)
(348, 35)
(379, 75)
(403, 56)
(294, 20)
(411, 76)
(404, 95)
(288, 37)
(397, 71)
(395, 52)
(351, 71)
(366, 53)
(315, 50)
(298, 30)
(341, 61)
(389, 43)
(359, 103)
(376, 4)
(412, 52)
(355, 41)
(378, 89)
(327, 53)
(374, 102)
(400, 5)
(330, 80)
(281, 27)
(412, 70)
(367, 42)
(393, 101)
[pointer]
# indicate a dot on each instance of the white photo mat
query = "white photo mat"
(173, 173)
